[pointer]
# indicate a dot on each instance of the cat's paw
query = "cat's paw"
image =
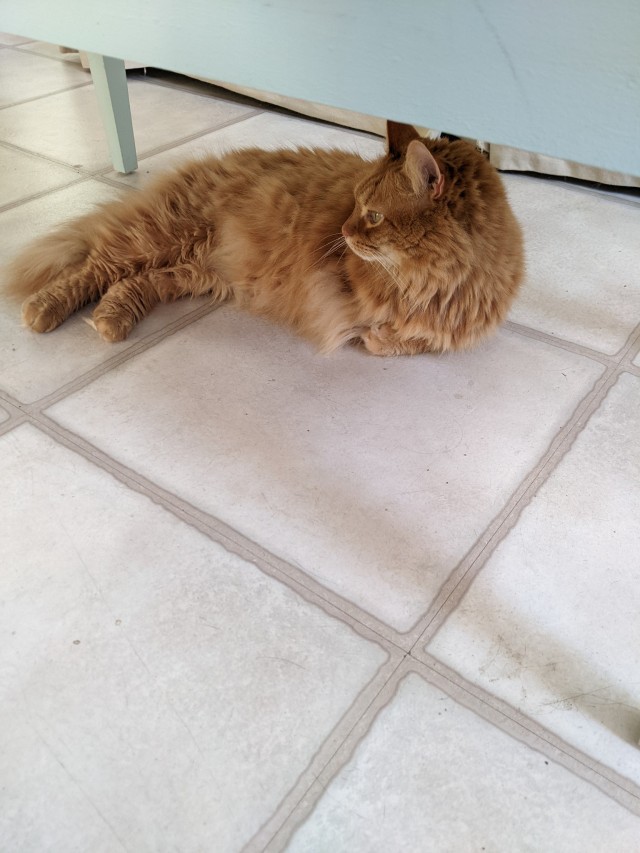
(41, 313)
(111, 328)
(379, 340)
(385, 340)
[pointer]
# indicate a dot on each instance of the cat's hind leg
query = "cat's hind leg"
(129, 300)
(46, 309)
(123, 305)
(124, 301)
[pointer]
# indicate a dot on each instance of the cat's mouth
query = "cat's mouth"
(367, 253)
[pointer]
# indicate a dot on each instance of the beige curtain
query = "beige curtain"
(504, 157)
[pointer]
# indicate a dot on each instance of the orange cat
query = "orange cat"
(428, 259)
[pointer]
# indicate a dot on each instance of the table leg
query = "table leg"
(110, 81)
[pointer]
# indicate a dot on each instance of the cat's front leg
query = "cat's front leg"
(385, 340)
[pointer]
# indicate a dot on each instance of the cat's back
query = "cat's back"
(300, 172)
(293, 167)
(302, 194)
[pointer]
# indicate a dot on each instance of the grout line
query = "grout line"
(15, 419)
(211, 526)
(87, 173)
(221, 533)
(562, 343)
(631, 350)
(477, 699)
(35, 196)
(81, 179)
(340, 734)
(46, 95)
(15, 410)
(114, 361)
(512, 723)
(283, 834)
(459, 581)
(11, 401)
(103, 172)
(160, 149)
(231, 539)
(113, 182)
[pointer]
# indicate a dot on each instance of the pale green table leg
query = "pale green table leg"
(110, 81)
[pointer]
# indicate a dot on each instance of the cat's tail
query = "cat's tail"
(44, 260)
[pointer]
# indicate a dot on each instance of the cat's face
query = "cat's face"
(394, 206)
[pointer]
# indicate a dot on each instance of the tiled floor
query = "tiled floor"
(253, 598)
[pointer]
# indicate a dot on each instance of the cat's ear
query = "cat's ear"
(398, 137)
(422, 170)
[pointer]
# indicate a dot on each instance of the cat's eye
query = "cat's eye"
(374, 217)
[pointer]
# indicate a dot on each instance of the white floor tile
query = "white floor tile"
(431, 775)
(3, 415)
(158, 692)
(351, 467)
(25, 75)
(32, 365)
(551, 623)
(68, 128)
(266, 131)
(583, 257)
(24, 175)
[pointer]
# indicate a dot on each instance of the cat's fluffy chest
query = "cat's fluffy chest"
(293, 286)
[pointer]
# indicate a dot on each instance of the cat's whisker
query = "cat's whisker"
(391, 269)
(330, 241)
(334, 246)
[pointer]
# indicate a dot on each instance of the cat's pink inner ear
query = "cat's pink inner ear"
(422, 169)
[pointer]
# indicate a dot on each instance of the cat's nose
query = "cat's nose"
(346, 231)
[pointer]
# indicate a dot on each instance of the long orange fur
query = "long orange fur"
(418, 251)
